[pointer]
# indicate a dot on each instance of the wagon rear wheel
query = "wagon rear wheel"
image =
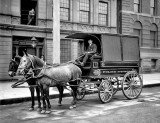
(132, 85)
(105, 91)
(81, 91)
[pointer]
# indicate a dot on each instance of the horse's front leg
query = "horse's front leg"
(43, 99)
(74, 94)
(39, 98)
(46, 91)
(60, 89)
(32, 99)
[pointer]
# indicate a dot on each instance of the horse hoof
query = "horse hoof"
(43, 111)
(39, 109)
(73, 106)
(31, 109)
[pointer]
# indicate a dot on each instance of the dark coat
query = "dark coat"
(92, 48)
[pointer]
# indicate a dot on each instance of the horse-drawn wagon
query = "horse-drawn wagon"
(115, 65)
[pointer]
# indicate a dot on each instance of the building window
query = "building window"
(84, 11)
(137, 6)
(103, 13)
(153, 36)
(137, 30)
(28, 12)
(65, 10)
(153, 7)
(65, 47)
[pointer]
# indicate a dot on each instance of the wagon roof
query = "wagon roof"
(80, 35)
(84, 35)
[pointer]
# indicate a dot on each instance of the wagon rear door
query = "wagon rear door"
(130, 48)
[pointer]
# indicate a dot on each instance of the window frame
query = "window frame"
(84, 11)
(100, 13)
(154, 8)
(139, 6)
(65, 8)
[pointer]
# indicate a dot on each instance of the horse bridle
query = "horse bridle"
(26, 68)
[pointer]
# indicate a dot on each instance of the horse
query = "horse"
(13, 66)
(60, 75)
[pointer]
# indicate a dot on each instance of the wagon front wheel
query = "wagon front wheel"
(81, 91)
(132, 85)
(105, 91)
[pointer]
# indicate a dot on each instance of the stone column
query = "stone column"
(56, 31)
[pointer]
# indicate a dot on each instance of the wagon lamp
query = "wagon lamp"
(33, 42)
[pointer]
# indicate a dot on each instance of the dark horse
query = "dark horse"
(46, 76)
(13, 66)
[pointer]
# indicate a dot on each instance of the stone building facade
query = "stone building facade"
(98, 16)
(142, 18)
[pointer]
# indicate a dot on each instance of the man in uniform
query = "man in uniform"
(91, 50)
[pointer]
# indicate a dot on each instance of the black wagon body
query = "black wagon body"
(116, 65)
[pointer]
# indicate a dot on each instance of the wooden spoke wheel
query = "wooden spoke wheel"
(132, 85)
(105, 91)
(81, 91)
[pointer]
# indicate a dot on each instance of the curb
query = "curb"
(151, 85)
(24, 99)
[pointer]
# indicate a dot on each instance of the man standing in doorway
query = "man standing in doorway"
(31, 16)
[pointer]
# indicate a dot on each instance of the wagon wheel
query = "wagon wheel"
(81, 91)
(132, 85)
(105, 91)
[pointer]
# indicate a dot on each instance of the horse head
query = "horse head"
(27, 62)
(13, 66)
(24, 65)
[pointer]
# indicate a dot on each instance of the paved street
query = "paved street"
(145, 109)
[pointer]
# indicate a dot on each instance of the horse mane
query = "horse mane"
(37, 62)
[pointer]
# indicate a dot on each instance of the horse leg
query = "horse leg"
(43, 99)
(38, 98)
(74, 94)
(32, 99)
(47, 99)
(60, 89)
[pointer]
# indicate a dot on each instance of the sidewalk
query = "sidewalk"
(10, 95)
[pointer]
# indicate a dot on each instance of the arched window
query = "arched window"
(153, 35)
(137, 30)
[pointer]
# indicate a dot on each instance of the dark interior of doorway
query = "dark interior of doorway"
(29, 50)
(26, 6)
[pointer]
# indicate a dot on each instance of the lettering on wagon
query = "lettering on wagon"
(112, 71)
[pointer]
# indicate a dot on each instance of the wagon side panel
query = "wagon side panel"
(111, 48)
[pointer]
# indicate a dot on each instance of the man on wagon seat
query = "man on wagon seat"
(91, 50)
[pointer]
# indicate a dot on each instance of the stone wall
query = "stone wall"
(150, 55)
